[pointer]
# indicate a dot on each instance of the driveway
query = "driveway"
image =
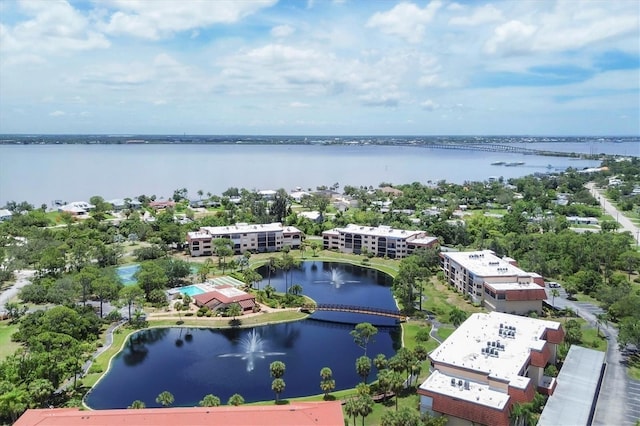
(625, 223)
(619, 399)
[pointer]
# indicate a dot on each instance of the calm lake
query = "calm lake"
(191, 363)
(43, 173)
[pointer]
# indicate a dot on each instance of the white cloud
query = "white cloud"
(299, 105)
(512, 37)
(54, 27)
(405, 20)
(568, 26)
(482, 15)
(160, 19)
(282, 31)
(57, 113)
(429, 105)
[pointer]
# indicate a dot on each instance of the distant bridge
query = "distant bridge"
(515, 149)
(356, 310)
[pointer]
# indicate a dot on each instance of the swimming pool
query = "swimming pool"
(191, 290)
(126, 273)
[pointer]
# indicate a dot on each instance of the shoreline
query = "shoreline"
(130, 332)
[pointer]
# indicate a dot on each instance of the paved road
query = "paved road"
(610, 209)
(619, 399)
(23, 277)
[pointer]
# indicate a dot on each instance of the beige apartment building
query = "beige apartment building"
(381, 241)
(496, 282)
(260, 238)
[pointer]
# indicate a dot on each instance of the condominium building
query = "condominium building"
(496, 282)
(245, 237)
(488, 364)
(381, 241)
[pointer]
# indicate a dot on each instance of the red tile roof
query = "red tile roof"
(205, 298)
(295, 414)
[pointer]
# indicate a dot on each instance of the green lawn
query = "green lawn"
(634, 366)
(444, 332)
(7, 347)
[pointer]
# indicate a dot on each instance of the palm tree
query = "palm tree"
(209, 401)
(365, 406)
(277, 369)
(517, 413)
(380, 362)
(137, 405)
(554, 293)
(351, 409)
(271, 267)
(233, 310)
(363, 367)
(327, 384)
(165, 399)
(384, 381)
(235, 400)
(396, 384)
(277, 386)
(295, 289)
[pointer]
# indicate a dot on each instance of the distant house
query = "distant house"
(313, 216)
(159, 205)
(77, 208)
(5, 215)
(297, 196)
(225, 295)
(395, 192)
(119, 204)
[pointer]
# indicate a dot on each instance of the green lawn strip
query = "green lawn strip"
(580, 297)
(7, 347)
(634, 366)
(445, 332)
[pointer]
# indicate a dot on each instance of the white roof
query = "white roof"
(484, 263)
(313, 215)
(380, 231)
(4, 213)
(514, 286)
(244, 228)
(463, 349)
(477, 393)
(424, 240)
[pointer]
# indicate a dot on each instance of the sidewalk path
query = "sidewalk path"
(23, 277)
(610, 209)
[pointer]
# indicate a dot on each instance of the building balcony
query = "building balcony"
(547, 385)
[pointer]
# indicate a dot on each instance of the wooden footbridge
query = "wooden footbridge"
(355, 309)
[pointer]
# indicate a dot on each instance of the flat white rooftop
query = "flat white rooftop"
(424, 240)
(484, 263)
(245, 228)
(476, 393)
(230, 292)
(467, 347)
(380, 231)
(514, 286)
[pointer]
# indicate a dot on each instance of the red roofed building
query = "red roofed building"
(295, 414)
(488, 364)
(224, 296)
(156, 205)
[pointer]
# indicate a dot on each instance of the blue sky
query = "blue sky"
(320, 67)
